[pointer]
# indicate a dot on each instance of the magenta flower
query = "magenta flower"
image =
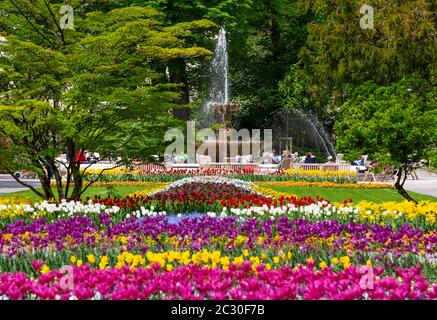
(37, 265)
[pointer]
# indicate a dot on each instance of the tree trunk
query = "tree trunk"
(178, 75)
(275, 38)
(71, 152)
(78, 184)
(43, 177)
(45, 184)
(58, 179)
(399, 185)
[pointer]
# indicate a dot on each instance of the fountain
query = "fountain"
(217, 112)
(304, 128)
(290, 126)
(218, 108)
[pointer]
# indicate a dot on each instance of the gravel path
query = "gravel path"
(9, 185)
(427, 183)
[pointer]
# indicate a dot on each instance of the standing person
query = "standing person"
(286, 160)
(80, 157)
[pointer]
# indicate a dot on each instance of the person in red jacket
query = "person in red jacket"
(80, 156)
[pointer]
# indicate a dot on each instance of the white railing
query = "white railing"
(234, 166)
(149, 167)
(256, 167)
(323, 167)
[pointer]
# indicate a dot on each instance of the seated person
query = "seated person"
(277, 159)
(330, 159)
(92, 157)
(363, 168)
(308, 158)
(372, 164)
(360, 162)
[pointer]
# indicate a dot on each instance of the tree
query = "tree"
(339, 55)
(100, 87)
(264, 39)
(395, 123)
(263, 49)
(192, 78)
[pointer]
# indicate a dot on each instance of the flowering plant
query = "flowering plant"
(170, 175)
(221, 238)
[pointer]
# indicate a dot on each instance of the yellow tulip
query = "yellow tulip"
(45, 268)
(91, 258)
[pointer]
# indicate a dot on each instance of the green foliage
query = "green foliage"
(112, 83)
(395, 123)
(339, 55)
(431, 157)
(101, 86)
(264, 49)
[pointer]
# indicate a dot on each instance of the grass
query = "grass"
(357, 195)
(120, 190)
(333, 194)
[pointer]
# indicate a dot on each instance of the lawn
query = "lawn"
(333, 194)
(341, 194)
(119, 190)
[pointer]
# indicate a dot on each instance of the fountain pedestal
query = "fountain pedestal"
(228, 141)
(223, 112)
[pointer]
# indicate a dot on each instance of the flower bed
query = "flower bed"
(237, 283)
(227, 234)
(170, 175)
(324, 184)
(211, 237)
(224, 246)
(227, 197)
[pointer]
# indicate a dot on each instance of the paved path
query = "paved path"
(427, 183)
(9, 185)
